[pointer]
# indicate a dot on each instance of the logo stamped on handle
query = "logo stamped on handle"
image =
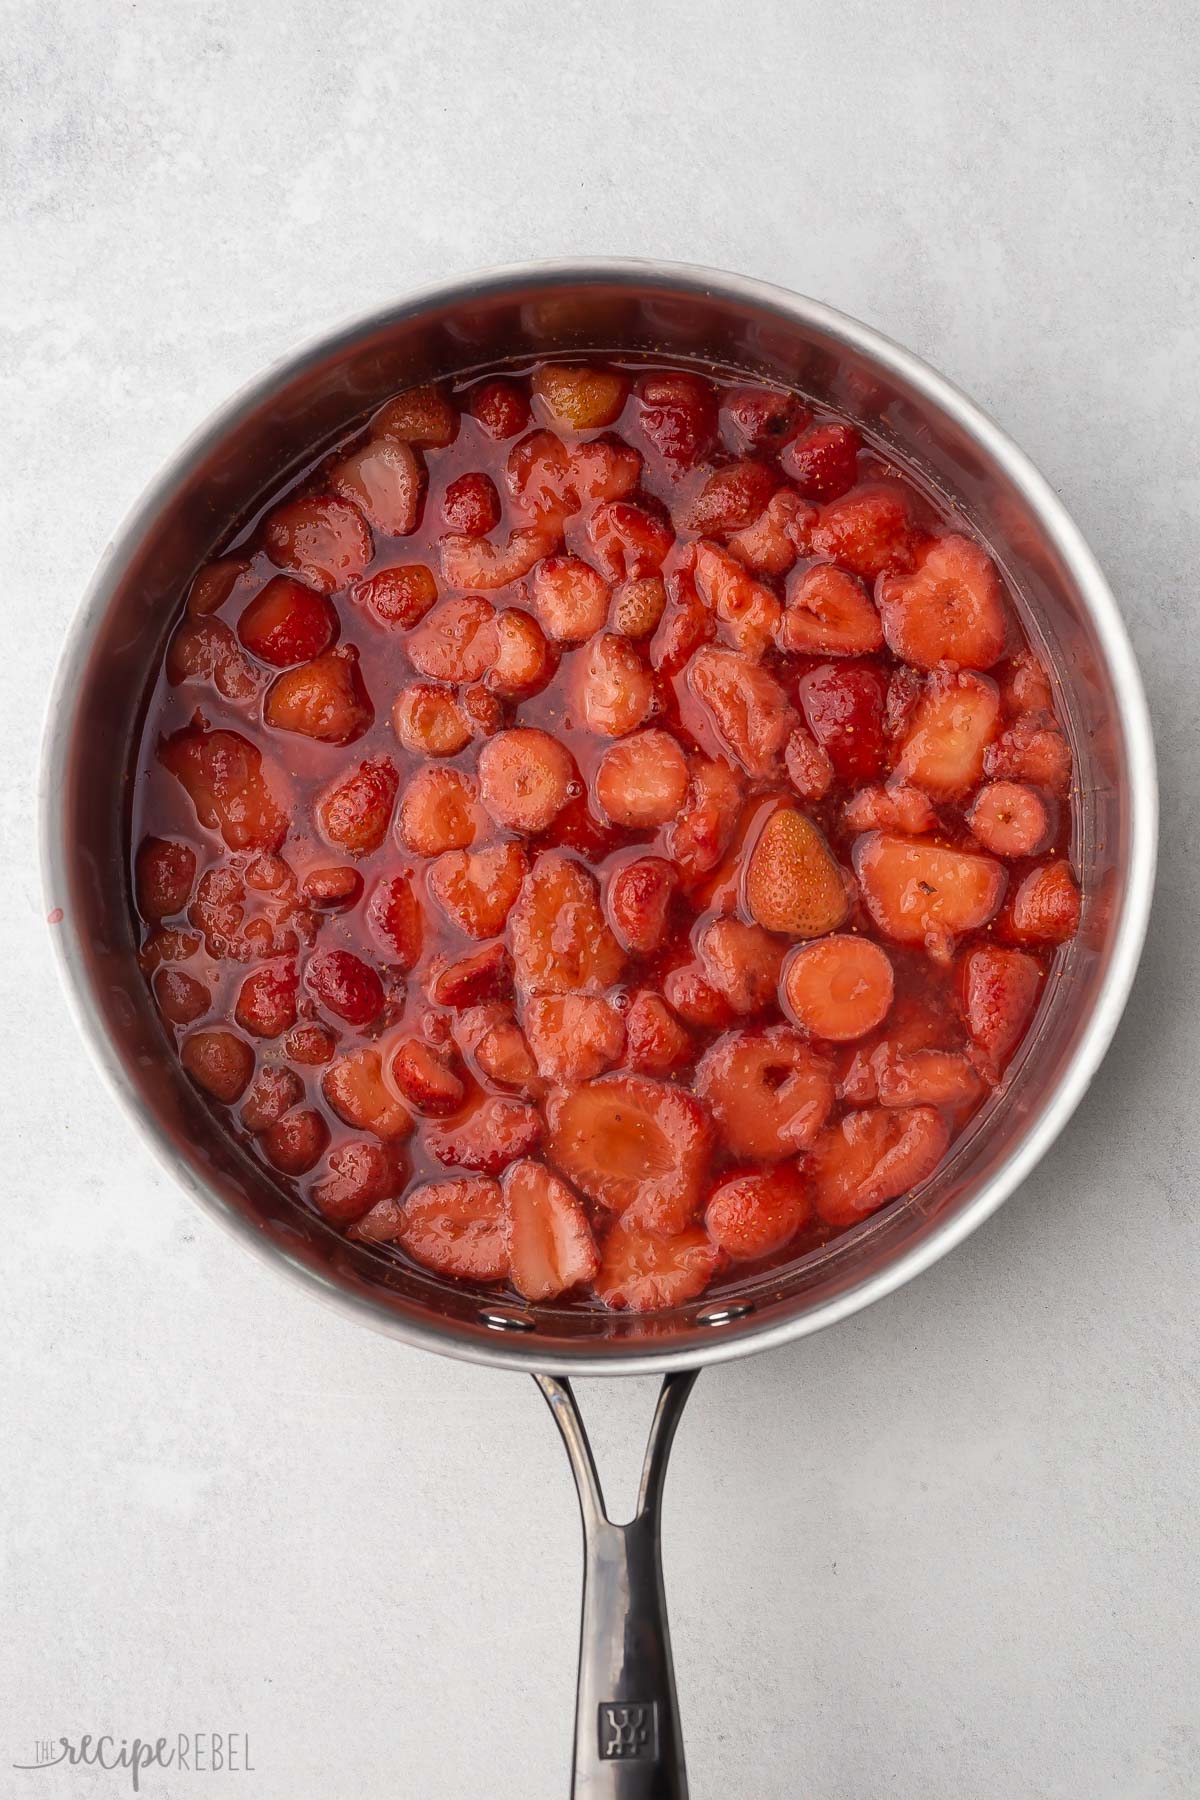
(628, 1731)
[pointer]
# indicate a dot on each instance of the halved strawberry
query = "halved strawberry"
(356, 812)
(742, 962)
(755, 1214)
(524, 661)
(323, 699)
(399, 596)
(604, 469)
(678, 416)
(456, 641)
(655, 1041)
(476, 889)
(686, 623)
(748, 613)
(579, 397)
(425, 1077)
(359, 1176)
(223, 776)
(892, 808)
(250, 910)
(266, 1002)
(541, 482)
(628, 541)
(730, 499)
(466, 980)
(420, 415)
(457, 1228)
(941, 1078)
(312, 1046)
(332, 888)
(642, 1272)
(395, 918)
(999, 990)
(768, 1090)
(324, 539)
(525, 778)
(439, 810)
(823, 462)
(761, 418)
(1025, 686)
(1031, 751)
(1045, 906)
(636, 1146)
(287, 623)
(616, 691)
(550, 1241)
(570, 599)
(1009, 818)
(274, 1091)
(164, 870)
(560, 941)
(843, 706)
(205, 650)
(492, 1133)
(868, 531)
(702, 833)
(489, 1036)
(639, 903)
(475, 562)
(345, 985)
(385, 480)
(642, 781)
(950, 610)
(829, 613)
(781, 532)
(921, 893)
(748, 709)
(573, 1037)
(871, 1157)
(688, 992)
(792, 883)
(953, 723)
(214, 583)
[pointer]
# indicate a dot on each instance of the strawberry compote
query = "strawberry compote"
(600, 831)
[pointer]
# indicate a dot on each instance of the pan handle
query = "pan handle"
(628, 1744)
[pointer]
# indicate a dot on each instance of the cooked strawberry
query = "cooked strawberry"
(456, 641)
(809, 768)
(163, 873)
(1029, 751)
(953, 723)
(323, 699)
(604, 469)
(421, 415)
(166, 945)
(550, 1241)
(476, 889)
(686, 623)
(748, 613)
(844, 708)
(266, 1002)
(999, 991)
(871, 1157)
(781, 532)
(892, 808)
(355, 813)
(334, 888)
(829, 613)
(678, 416)
(214, 584)
(223, 776)
(471, 505)
(729, 499)
(355, 1088)
(439, 810)
(742, 962)
(1009, 819)
(359, 1176)
(218, 1061)
(297, 1142)
(476, 562)
(627, 541)
(768, 1090)
(560, 941)
(570, 599)
(639, 903)
(205, 650)
(525, 779)
(287, 623)
(792, 883)
(642, 781)
(839, 987)
(823, 462)
(345, 985)
(425, 1078)
(491, 1134)
(918, 892)
(950, 610)
(868, 531)
(394, 915)
(385, 480)
(324, 539)
(616, 689)
(494, 1043)
(688, 992)
(581, 397)
(399, 596)
(638, 607)
(501, 409)
(573, 1037)
(941, 1078)
(429, 720)
(747, 707)
(642, 1272)
(524, 661)
(655, 1041)
(755, 1214)
(1025, 686)
(466, 980)
(457, 1228)
(180, 997)
(312, 1046)
(1045, 906)
(250, 910)
(905, 688)
(381, 1224)
(636, 1146)
(273, 1092)
(542, 484)
(702, 833)
(761, 418)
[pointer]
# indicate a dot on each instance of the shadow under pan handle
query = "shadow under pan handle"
(628, 1745)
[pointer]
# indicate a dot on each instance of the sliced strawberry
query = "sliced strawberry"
(1032, 752)
(218, 1061)
(471, 505)
(686, 623)
(730, 499)
(578, 397)
(297, 1142)
(1045, 906)
(501, 409)
(524, 662)
(325, 540)
(642, 1272)
(792, 883)
(748, 613)
(421, 415)
(573, 1037)
(905, 688)
(323, 699)
(639, 903)
(839, 987)
(550, 1241)
(829, 613)
(542, 484)
(310, 1045)
(628, 541)
(345, 985)
(381, 1224)
(953, 723)
(918, 892)
(636, 1146)
(356, 812)
(570, 599)
(950, 610)
(360, 1175)
(560, 941)
(638, 607)
(332, 889)
(642, 781)
(425, 1078)
(1025, 686)
(999, 992)
(287, 623)
(223, 776)
(163, 873)
(476, 562)
(394, 915)
(747, 707)
(385, 480)
(769, 1091)
(274, 1091)
(809, 768)
(871, 1157)
(1009, 819)
(399, 596)
(355, 1088)
(702, 833)
(466, 980)
(604, 469)
(456, 641)
(496, 1047)
(476, 889)
(493, 1133)
(941, 1078)
(205, 650)
(781, 532)
(439, 810)
(678, 416)
(616, 690)
(868, 531)
(266, 1002)
(823, 462)
(742, 962)
(525, 779)
(430, 721)
(892, 808)
(688, 992)
(761, 418)
(752, 1215)
(457, 1228)
(655, 1041)
(844, 709)
(214, 584)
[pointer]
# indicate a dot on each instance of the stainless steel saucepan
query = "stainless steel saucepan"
(628, 1744)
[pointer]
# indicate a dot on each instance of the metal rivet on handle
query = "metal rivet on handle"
(725, 1315)
(498, 1321)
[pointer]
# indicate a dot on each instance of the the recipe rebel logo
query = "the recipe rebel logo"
(186, 1752)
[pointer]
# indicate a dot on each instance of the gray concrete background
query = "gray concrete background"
(945, 1552)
